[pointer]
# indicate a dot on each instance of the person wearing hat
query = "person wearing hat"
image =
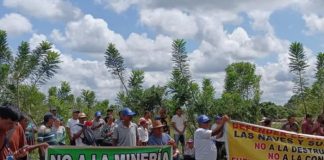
(158, 137)
(77, 130)
(205, 148)
(53, 110)
(97, 125)
(143, 132)
(70, 123)
(219, 139)
(189, 153)
(125, 134)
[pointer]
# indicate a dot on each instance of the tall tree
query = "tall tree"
(115, 64)
(298, 65)
(5, 61)
(318, 86)
(206, 98)
(180, 83)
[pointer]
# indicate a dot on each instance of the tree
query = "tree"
(242, 91)
(115, 64)
(5, 61)
(318, 86)
(298, 66)
(88, 97)
(206, 98)
(179, 86)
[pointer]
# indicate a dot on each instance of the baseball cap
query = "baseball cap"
(98, 114)
(203, 119)
(128, 112)
(53, 108)
(190, 141)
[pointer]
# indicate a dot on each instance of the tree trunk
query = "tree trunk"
(302, 91)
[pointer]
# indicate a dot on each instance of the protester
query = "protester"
(60, 132)
(77, 130)
(164, 121)
(205, 148)
(108, 130)
(317, 125)
(147, 117)
(307, 125)
(158, 137)
(110, 112)
(179, 124)
(53, 110)
(291, 125)
(189, 153)
(45, 133)
(120, 120)
(125, 134)
(266, 122)
(321, 129)
(30, 132)
(143, 131)
(70, 123)
(219, 139)
(97, 125)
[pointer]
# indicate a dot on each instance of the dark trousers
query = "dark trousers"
(99, 142)
(221, 152)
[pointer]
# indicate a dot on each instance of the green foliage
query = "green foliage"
(115, 63)
(242, 92)
(88, 97)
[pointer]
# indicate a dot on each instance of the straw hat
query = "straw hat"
(82, 115)
(157, 124)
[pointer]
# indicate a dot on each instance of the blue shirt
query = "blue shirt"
(153, 140)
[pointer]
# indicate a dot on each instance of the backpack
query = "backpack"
(89, 138)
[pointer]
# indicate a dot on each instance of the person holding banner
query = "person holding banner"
(205, 148)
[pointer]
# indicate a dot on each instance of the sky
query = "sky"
(217, 33)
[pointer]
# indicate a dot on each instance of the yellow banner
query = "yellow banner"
(253, 142)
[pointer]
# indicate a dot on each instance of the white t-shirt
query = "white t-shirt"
(205, 148)
(75, 129)
(70, 123)
(179, 122)
(142, 134)
(221, 139)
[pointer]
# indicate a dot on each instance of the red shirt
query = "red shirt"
(307, 128)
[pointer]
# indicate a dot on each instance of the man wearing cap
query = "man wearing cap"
(77, 130)
(158, 137)
(53, 110)
(70, 123)
(205, 148)
(125, 134)
(97, 125)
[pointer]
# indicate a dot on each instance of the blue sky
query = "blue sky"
(217, 33)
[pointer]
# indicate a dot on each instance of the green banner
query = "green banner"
(109, 153)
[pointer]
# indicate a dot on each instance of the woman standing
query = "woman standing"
(59, 131)
(108, 130)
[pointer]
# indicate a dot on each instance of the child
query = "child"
(143, 132)
(189, 153)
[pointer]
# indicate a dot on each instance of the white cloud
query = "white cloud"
(173, 22)
(36, 39)
(52, 9)
(117, 5)
(261, 21)
(314, 23)
(88, 34)
(15, 24)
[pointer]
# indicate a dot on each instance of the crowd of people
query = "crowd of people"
(18, 132)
